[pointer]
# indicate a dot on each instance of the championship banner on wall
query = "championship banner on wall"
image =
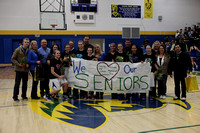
(109, 77)
(125, 11)
(148, 8)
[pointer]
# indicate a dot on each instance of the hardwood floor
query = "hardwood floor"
(101, 116)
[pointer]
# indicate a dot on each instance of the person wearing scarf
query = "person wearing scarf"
(163, 59)
(32, 60)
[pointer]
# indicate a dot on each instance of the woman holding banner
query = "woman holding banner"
(80, 53)
(151, 58)
(100, 57)
(97, 53)
(135, 57)
(110, 56)
(121, 57)
(89, 56)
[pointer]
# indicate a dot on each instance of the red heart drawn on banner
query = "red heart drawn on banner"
(108, 71)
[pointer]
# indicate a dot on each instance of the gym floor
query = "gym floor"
(101, 116)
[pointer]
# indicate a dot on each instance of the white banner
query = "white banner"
(109, 77)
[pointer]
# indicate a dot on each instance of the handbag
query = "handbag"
(39, 73)
(191, 84)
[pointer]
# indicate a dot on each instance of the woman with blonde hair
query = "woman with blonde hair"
(155, 47)
(32, 60)
(98, 54)
(100, 57)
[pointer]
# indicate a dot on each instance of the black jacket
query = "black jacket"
(110, 57)
(180, 64)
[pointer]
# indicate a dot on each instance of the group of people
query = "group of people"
(163, 63)
(189, 38)
(26, 58)
(56, 67)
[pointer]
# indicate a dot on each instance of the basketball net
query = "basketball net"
(53, 26)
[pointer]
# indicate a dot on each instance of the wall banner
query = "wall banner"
(109, 77)
(125, 11)
(148, 8)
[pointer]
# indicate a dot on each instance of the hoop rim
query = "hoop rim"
(53, 25)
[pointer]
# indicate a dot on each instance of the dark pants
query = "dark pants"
(177, 81)
(114, 96)
(44, 85)
(34, 86)
(99, 95)
(69, 91)
(18, 77)
(162, 85)
(153, 93)
(75, 93)
(82, 93)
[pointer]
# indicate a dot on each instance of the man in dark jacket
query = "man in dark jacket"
(180, 62)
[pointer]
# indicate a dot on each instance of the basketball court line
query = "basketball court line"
(2, 89)
(169, 129)
(13, 106)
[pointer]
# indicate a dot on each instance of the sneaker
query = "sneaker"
(97, 96)
(47, 97)
(133, 98)
(150, 98)
(35, 97)
(41, 96)
(70, 96)
(121, 97)
(92, 97)
(16, 99)
(143, 98)
(86, 97)
(176, 98)
(161, 97)
(24, 98)
(65, 98)
(101, 96)
(183, 98)
(164, 97)
(75, 97)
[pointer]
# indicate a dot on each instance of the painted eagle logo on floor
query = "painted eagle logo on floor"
(92, 114)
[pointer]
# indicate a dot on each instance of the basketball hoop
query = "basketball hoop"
(54, 26)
